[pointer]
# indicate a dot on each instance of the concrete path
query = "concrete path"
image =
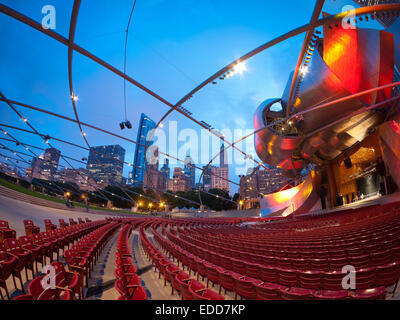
(15, 212)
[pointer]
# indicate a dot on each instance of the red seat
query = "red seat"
(37, 291)
(244, 286)
(269, 274)
(297, 294)
(287, 277)
(331, 294)
(388, 274)
(184, 285)
(130, 292)
(369, 294)
(68, 280)
(36, 251)
(205, 294)
(212, 274)
(177, 279)
(49, 225)
(310, 279)
(24, 257)
(226, 280)
(30, 228)
(7, 264)
(62, 223)
(5, 231)
(268, 291)
(332, 280)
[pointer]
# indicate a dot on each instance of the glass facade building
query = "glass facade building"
(139, 166)
(106, 164)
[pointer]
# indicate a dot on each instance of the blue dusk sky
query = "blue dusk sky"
(173, 46)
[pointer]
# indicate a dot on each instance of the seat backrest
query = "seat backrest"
(24, 240)
(47, 221)
(37, 238)
(37, 291)
(11, 244)
(28, 222)
(4, 224)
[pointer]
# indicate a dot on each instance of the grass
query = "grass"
(29, 192)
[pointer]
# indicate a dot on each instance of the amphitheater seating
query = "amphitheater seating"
(189, 289)
(82, 256)
(303, 261)
(128, 282)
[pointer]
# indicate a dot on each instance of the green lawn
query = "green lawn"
(29, 192)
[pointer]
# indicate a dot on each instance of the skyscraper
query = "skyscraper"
(49, 164)
(179, 181)
(138, 171)
(190, 171)
(220, 178)
(388, 17)
(223, 157)
(165, 171)
(106, 164)
(207, 178)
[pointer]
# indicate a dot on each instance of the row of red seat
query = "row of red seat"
(26, 252)
(251, 288)
(189, 289)
(223, 254)
(82, 256)
(128, 282)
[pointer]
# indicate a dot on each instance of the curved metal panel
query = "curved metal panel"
(297, 200)
(272, 148)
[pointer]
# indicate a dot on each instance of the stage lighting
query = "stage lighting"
(122, 126)
(128, 124)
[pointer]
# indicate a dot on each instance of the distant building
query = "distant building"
(153, 178)
(179, 181)
(138, 171)
(220, 178)
(106, 163)
(207, 178)
(190, 171)
(81, 178)
(388, 18)
(260, 182)
(37, 165)
(165, 171)
(49, 164)
(223, 157)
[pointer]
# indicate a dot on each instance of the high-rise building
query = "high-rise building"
(81, 178)
(49, 164)
(106, 164)
(388, 18)
(153, 178)
(260, 182)
(207, 178)
(179, 181)
(190, 171)
(138, 171)
(37, 164)
(223, 157)
(220, 178)
(165, 171)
